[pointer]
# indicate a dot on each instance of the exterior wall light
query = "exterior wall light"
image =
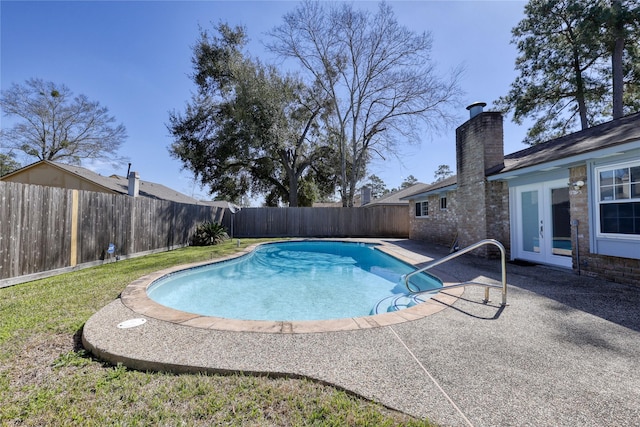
(578, 185)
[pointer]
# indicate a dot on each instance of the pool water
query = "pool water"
(311, 280)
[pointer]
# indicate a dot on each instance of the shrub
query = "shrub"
(209, 233)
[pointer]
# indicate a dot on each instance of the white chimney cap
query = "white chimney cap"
(476, 108)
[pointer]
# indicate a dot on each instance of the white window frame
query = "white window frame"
(424, 209)
(443, 203)
(598, 196)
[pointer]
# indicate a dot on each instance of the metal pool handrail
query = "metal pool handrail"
(503, 264)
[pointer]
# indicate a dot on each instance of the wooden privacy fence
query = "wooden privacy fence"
(379, 221)
(47, 228)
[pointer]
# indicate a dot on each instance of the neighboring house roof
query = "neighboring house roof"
(115, 183)
(327, 204)
(392, 198)
(596, 141)
(88, 175)
(397, 197)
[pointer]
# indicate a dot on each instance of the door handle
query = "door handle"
(541, 230)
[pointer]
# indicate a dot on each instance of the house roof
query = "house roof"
(398, 197)
(606, 135)
(446, 184)
(596, 141)
(117, 184)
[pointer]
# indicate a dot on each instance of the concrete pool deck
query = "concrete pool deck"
(565, 352)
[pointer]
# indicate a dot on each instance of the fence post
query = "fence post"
(73, 258)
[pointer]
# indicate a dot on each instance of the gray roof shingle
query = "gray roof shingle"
(431, 188)
(397, 197)
(119, 184)
(610, 134)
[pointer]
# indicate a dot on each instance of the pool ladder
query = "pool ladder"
(484, 242)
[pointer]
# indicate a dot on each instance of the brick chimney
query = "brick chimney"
(134, 184)
(482, 205)
(479, 143)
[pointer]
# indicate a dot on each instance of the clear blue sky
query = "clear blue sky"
(135, 59)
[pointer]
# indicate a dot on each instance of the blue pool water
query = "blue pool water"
(310, 280)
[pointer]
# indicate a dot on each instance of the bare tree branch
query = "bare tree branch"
(55, 125)
(377, 74)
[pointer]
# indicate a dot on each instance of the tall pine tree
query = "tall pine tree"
(577, 64)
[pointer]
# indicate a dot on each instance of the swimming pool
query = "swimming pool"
(290, 281)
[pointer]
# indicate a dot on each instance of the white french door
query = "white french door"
(543, 223)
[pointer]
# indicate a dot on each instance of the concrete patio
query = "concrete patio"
(564, 352)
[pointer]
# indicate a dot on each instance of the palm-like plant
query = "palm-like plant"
(209, 233)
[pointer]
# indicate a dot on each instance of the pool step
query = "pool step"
(397, 302)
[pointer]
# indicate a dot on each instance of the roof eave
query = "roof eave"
(567, 161)
(430, 192)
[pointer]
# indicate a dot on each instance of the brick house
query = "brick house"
(571, 202)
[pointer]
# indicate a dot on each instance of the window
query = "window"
(422, 208)
(443, 203)
(619, 199)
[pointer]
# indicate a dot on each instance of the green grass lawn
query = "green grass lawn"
(46, 378)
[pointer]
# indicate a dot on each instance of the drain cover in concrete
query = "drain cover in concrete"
(132, 323)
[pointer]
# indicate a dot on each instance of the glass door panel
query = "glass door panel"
(560, 222)
(529, 207)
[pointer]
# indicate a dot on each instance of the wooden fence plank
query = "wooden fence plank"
(5, 228)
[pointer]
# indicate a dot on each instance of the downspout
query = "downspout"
(575, 223)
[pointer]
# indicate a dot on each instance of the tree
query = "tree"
(568, 49)
(408, 182)
(249, 129)
(377, 185)
(55, 125)
(617, 36)
(621, 25)
(443, 172)
(8, 164)
(376, 74)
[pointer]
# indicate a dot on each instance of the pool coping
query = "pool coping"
(564, 342)
(135, 297)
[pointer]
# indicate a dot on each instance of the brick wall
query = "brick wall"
(440, 226)
(620, 270)
(579, 211)
(498, 223)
